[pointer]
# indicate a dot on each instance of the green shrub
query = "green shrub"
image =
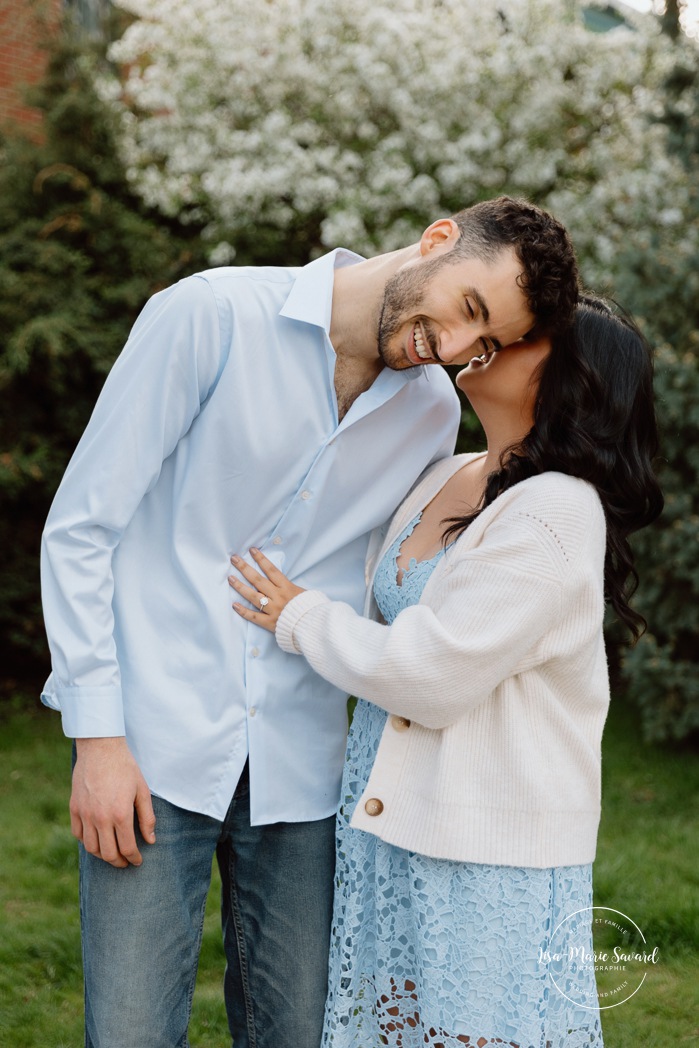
(662, 671)
(79, 255)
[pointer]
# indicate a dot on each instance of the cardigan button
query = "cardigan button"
(373, 806)
(400, 723)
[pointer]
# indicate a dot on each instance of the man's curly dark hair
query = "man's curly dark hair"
(549, 275)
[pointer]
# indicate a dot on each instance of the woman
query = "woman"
(474, 768)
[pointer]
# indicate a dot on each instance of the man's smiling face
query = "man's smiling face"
(442, 310)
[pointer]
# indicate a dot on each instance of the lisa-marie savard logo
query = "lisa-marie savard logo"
(598, 958)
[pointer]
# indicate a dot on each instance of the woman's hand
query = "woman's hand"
(269, 595)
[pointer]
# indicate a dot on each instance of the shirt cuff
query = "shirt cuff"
(292, 614)
(87, 712)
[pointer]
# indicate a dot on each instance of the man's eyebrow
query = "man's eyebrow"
(480, 302)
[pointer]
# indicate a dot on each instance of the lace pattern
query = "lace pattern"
(428, 952)
(392, 596)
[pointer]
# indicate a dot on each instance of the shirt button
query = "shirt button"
(400, 723)
(373, 806)
(252, 711)
(277, 540)
(305, 494)
(254, 652)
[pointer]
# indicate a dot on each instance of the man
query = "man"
(288, 409)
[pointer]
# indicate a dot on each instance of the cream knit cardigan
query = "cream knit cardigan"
(500, 670)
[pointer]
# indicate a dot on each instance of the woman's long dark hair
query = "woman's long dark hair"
(594, 418)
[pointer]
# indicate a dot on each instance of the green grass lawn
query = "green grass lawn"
(646, 868)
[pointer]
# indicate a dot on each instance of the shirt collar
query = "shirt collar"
(311, 297)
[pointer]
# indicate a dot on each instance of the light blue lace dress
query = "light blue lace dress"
(429, 952)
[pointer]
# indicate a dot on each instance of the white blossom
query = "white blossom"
(363, 122)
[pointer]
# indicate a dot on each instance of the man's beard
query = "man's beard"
(403, 298)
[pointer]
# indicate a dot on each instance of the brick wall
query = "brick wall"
(22, 26)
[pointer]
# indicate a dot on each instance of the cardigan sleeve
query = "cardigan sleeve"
(439, 659)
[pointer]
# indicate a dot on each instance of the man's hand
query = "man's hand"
(107, 786)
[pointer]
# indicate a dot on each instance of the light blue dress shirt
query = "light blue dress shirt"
(218, 429)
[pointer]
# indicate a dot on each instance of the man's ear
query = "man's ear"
(439, 237)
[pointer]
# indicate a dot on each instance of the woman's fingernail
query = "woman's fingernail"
(235, 558)
(254, 549)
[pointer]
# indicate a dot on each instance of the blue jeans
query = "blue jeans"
(142, 929)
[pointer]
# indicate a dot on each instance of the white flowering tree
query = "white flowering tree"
(289, 126)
